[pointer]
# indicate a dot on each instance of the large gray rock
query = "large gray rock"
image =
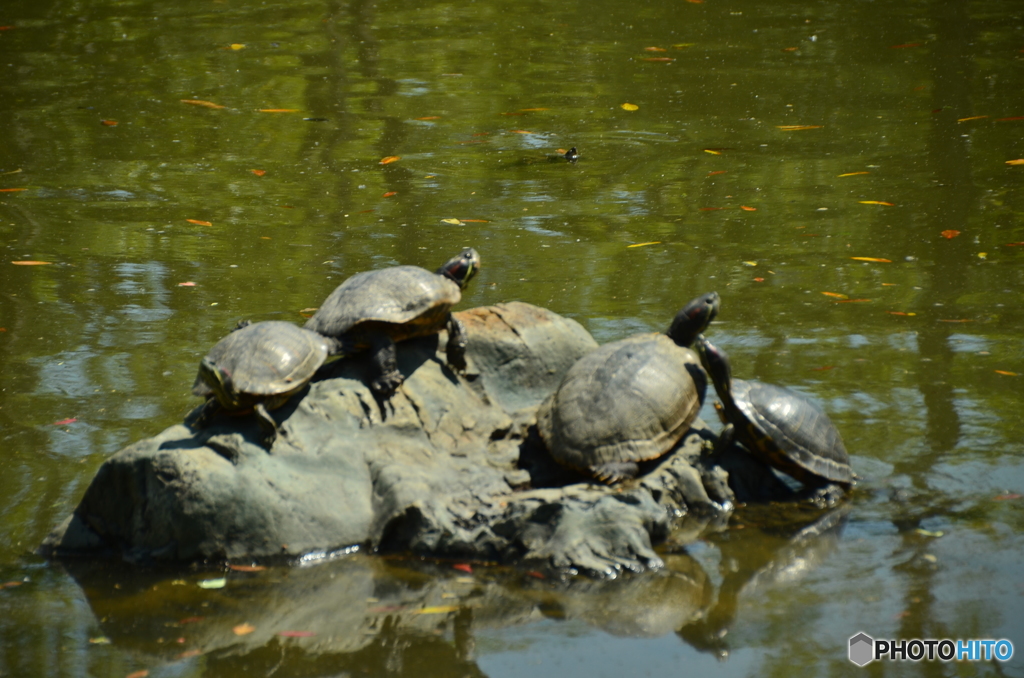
(450, 466)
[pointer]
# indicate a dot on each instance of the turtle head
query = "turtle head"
(694, 318)
(460, 269)
(716, 364)
(220, 382)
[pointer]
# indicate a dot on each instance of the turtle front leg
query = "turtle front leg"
(385, 366)
(457, 341)
(206, 412)
(267, 424)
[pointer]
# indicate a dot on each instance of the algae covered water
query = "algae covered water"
(845, 175)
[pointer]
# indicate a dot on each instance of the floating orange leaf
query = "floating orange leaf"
(186, 284)
(837, 295)
(758, 279)
(654, 49)
(1008, 496)
(796, 128)
(711, 174)
(1016, 117)
(949, 234)
(1008, 374)
(188, 653)
(973, 117)
(389, 194)
(200, 102)
(390, 159)
(1018, 161)
(108, 123)
(430, 117)
(662, 59)
(532, 110)
(258, 173)
(1014, 244)
(876, 202)
(853, 174)
(644, 244)
(138, 674)
(790, 49)
(10, 584)
(711, 209)
(874, 259)
(296, 634)
(12, 190)
(695, 2)
(823, 368)
(247, 568)
(463, 567)
(243, 629)
(277, 110)
(958, 320)
(197, 222)
(630, 107)
(63, 422)
(32, 263)
(748, 209)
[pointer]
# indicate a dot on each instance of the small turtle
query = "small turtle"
(374, 309)
(781, 427)
(630, 400)
(258, 367)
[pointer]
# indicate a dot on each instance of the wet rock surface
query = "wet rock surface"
(450, 466)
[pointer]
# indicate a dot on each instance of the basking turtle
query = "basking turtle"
(630, 400)
(258, 367)
(374, 309)
(781, 427)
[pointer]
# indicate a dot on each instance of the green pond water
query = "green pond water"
(770, 146)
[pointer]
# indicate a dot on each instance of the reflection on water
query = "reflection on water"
(912, 114)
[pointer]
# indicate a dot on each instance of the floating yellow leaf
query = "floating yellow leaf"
(876, 202)
(1018, 161)
(929, 533)
(453, 222)
(853, 174)
(31, 263)
(430, 117)
(243, 629)
(795, 128)
(630, 107)
(644, 244)
(390, 159)
(237, 46)
(438, 609)
(973, 117)
(277, 110)
(200, 102)
(874, 259)
(899, 313)
(213, 583)
(837, 295)
(100, 640)
(197, 222)
(1006, 373)
(521, 131)
(750, 263)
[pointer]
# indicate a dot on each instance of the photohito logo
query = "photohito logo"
(864, 649)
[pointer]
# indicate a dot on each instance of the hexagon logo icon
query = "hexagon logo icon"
(862, 649)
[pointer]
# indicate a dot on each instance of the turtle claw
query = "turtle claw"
(385, 385)
(613, 473)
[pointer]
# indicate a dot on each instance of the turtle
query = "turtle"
(783, 428)
(258, 367)
(374, 309)
(630, 400)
